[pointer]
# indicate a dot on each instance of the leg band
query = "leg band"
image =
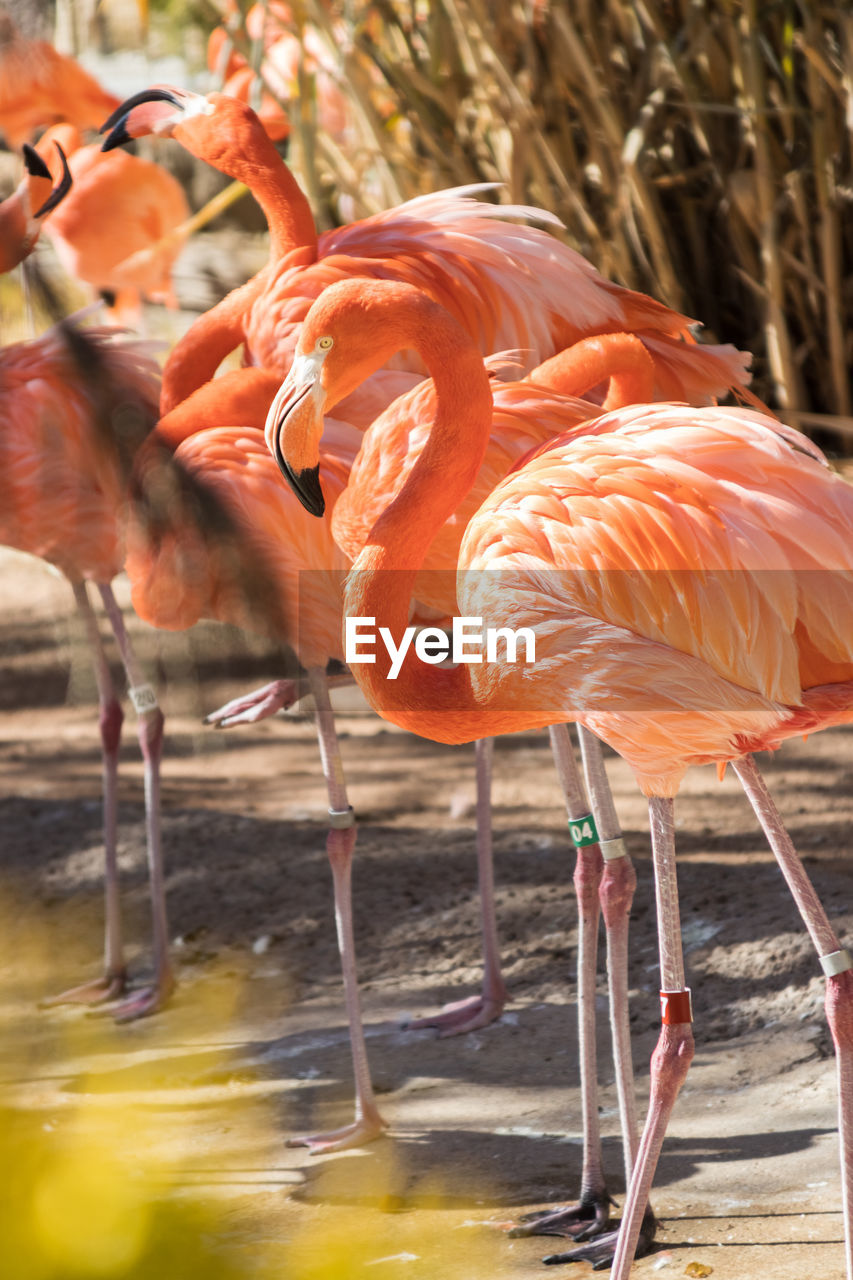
(676, 1007)
(613, 849)
(340, 819)
(836, 962)
(143, 698)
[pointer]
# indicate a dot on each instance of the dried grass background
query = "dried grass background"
(698, 151)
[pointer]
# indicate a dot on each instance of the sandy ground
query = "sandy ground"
(254, 1046)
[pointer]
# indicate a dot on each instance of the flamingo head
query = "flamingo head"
(215, 127)
(351, 330)
(42, 191)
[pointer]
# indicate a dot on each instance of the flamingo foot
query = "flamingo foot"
(98, 991)
(260, 704)
(144, 1002)
(601, 1249)
(460, 1016)
(585, 1220)
(366, 1129)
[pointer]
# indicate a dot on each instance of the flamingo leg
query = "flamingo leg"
(150, 732)
(616, 893)
(113, 982)
(674, 1051)
(590, 1215)
(836, 964)
(479, 1011)
(340, 843)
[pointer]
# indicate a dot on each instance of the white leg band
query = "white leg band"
(612, 849)
(836, 962)
(143, 698)
(340, 819)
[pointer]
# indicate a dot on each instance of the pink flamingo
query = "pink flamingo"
(22, 212)
(511, 286)
(667, 561)
(177, 577)
(62, 487)
(39, 86)
(107, 231)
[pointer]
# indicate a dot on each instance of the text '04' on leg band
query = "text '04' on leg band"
(676, 1007)
(583, 831)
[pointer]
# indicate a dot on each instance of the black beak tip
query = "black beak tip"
(60, 191)
(117, 137)
(306, 485)
(33, 162)
(116, 123)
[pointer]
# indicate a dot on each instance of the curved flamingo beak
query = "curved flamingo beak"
(293, 428)
(156, 110)
(37, 168)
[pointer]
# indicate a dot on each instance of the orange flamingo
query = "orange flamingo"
(39, 86)
(177, 578)
(526, 415)
(108, 231)
(685, 575)
(62, 486)
(511, 286)
(21, 212)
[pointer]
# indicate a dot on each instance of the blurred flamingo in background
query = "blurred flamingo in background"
(39, 86)
(22, 212)
(276, 82)
(607, 546)
(73, 400)
(108, 232)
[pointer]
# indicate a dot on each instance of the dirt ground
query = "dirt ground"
(254, 1046)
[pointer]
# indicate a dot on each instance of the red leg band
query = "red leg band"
(676, 1007)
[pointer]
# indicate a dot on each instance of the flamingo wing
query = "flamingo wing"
(647, 522)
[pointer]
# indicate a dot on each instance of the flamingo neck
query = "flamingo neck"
(436, 701)
(243, 151)
(617, 358)
(18, 232)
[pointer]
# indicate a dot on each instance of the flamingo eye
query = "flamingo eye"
(323, 344)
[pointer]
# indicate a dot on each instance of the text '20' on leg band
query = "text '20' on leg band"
(143, 698)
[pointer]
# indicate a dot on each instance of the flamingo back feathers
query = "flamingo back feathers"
(703, 530)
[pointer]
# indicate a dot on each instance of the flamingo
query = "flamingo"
(177, 577)
(22, 212)
(39, 86)
(108, 231)
(511, 286)
(684, 573)
(65, 396)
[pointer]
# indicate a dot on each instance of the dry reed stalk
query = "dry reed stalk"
(700, 152)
